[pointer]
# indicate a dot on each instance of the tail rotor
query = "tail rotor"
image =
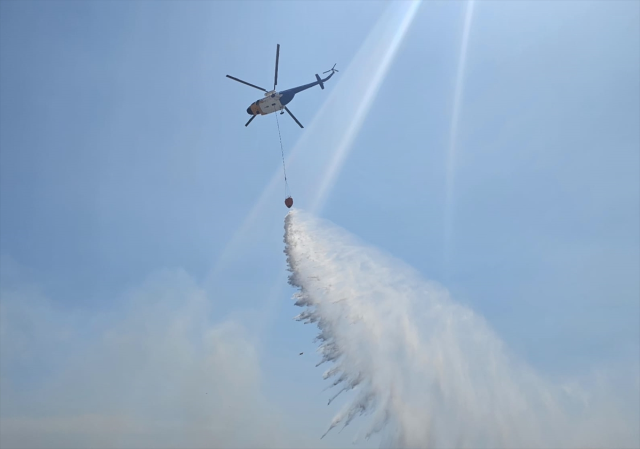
(332, 69)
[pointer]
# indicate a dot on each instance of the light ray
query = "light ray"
(387, 47)
(453, 137)
(320, 152)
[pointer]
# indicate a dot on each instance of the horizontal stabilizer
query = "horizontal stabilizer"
(320, 81)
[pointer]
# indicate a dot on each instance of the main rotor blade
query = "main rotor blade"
(247, 124)
(293, 117)
(275, 80)
(248, 84)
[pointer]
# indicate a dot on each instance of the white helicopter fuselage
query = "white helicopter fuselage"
(270, 103)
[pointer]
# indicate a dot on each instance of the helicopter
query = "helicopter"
(277, 101)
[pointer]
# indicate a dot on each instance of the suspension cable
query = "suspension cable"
(286, 184)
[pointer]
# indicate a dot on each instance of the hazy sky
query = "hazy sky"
(141, 223)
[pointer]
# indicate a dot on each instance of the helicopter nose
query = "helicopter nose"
(249, 111)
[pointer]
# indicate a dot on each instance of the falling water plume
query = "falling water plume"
(427, 371)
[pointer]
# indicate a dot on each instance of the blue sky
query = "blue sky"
(125, 169)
